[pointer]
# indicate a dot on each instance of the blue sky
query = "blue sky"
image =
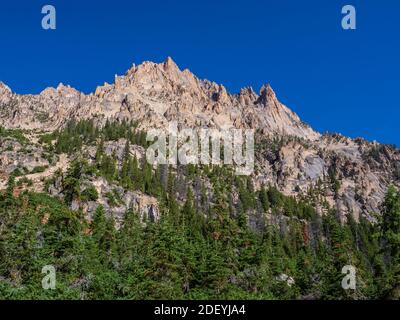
(336, 80)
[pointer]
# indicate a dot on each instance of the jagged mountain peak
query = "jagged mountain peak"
(162, 89)
(161, 75)
(60, 90)
(5, 95)
(169, 64)
(4, 89)
(267, 91)
(267, 95)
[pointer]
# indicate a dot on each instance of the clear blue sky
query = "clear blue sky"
(336, 80)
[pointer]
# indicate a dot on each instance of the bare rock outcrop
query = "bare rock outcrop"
(351, 175)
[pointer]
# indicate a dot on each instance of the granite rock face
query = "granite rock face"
(154, 94)
(352, 174)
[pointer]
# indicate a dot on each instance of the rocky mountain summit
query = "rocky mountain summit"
(351, 175)
(154, 94)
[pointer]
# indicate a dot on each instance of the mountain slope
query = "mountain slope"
(349, 175)
(152, 93)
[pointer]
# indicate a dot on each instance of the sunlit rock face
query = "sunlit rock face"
(156, 94)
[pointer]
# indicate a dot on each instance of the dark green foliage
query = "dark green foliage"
(203, 247)
(390, 239)
(85, 132)
(263, 197)
(13, 133)
(89, 194)
(38, 169)
(72, 182)
(185, 255)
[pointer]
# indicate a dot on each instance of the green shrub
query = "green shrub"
(90, 193)
(39, 169)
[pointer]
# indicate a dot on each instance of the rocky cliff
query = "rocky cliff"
(351, 175)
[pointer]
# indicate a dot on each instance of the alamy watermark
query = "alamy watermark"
(173, 145)
(49, 20)
(49, 280)
(349, 21)
(202, 146)
(349, 281)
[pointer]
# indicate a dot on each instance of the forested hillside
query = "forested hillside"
(216, 236)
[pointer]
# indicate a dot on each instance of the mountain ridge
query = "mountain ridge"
(353, 174)
(142, 85)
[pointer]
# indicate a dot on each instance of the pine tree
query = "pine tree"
(136, 175)
(263, 196)
(391, 222)
(98, 224)
(126, 160)
(390, 238)
(72, 181)
(99, 152)
(10, 187)
(104, 234)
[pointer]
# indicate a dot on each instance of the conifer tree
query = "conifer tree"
(390, 239)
